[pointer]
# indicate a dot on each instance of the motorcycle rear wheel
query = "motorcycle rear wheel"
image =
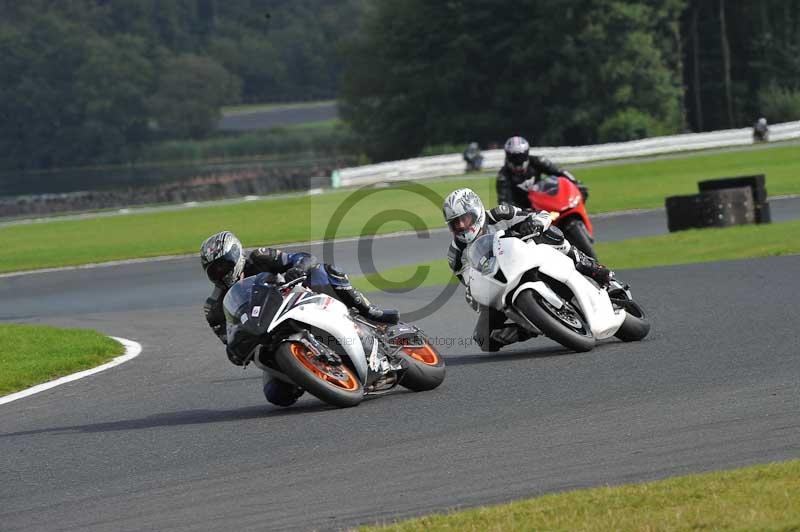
(578, 235)
(424, 368)
(336, 385)
(566, 326)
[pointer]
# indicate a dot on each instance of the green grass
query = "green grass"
(259, 107)
(32, 354)
(685, 247)
(623, 186)
(641, 185)
(763, 497)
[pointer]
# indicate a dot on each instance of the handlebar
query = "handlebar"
(292, 283)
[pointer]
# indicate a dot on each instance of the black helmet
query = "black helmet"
(517, 151)
(222, 258)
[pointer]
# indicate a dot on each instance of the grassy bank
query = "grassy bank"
(617, 187)
(248, 108)
(754, 498)
(32, 354)
(685, 247)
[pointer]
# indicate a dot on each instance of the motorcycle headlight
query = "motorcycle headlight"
(574, 200)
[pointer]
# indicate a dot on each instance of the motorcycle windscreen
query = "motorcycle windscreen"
(480, 255)
(547, 185)
(249, 306)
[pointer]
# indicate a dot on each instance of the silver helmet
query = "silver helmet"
(517, 154)
(464, 213)
(222, 258)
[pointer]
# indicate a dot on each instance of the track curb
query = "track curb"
(132, 350)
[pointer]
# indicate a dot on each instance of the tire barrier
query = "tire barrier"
(756, 183)
(712, 208)
(720, 203)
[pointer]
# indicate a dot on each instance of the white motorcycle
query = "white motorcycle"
(313, 341)
(539, 289)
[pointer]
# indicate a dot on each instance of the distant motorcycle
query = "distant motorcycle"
(539, 289)
(563, 196)
(314, 342)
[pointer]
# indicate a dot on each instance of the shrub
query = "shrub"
(630, 124)
(780, 104)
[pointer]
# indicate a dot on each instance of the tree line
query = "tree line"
(93, 81)
(567, 72)
(96, 81)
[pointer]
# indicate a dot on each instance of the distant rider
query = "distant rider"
(522, 170)
(467, 219)
(225, 263)
(761, 130)
(472, 156)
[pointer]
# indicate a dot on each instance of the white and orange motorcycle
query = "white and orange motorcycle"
(315, 342)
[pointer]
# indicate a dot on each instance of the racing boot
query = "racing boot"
(589, 267)
(281, 393)
(354, 298)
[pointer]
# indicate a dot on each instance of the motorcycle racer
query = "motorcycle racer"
(225, 262)
(522, 170)
(467, 219)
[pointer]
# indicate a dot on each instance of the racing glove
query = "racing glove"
(293, 273)
(535, 225)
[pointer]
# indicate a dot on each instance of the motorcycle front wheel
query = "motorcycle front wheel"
(565, 325)
(578, 235)
(424, 367)
(337, 385)
(636, 326)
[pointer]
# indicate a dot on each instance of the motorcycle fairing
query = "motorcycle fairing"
(515, 258)
(559, 194)
(331, 315)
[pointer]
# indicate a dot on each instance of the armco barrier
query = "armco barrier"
(447, 165)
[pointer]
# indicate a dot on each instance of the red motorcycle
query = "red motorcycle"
(564, 197)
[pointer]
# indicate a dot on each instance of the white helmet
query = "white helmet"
(464, 213)
(517, 154)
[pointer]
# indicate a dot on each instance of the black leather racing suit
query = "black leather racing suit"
(512, 188)
(257, 261)
(324, 278)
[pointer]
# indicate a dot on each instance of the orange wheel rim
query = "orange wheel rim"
(339, 376)
(424, 353)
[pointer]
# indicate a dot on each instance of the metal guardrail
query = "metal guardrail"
(448, 165)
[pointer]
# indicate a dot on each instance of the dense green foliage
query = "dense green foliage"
(567, 72)
(89, 82)
(92, 81)
(742, 60)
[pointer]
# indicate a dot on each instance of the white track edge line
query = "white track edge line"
(132, 350)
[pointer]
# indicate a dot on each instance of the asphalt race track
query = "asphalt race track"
(179, 439)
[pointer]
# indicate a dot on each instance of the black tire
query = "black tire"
(635, 327)
(335, 385)
(578, 236)
(536, 309)
(424, 368)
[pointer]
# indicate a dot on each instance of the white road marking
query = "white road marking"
(132, 350)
